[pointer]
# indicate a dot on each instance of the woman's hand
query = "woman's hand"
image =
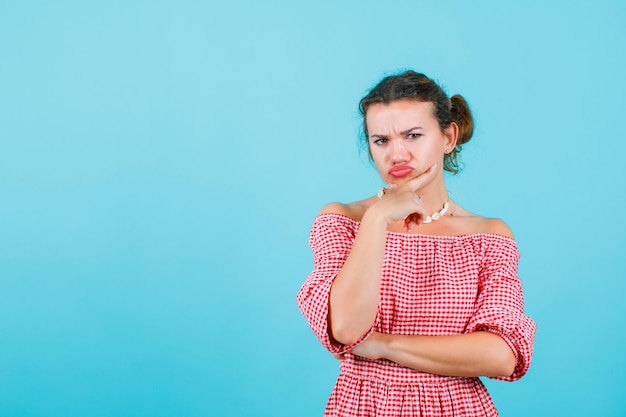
(403, 202)
(373, 347)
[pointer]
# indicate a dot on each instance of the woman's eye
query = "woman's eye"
(413, 135)
(380, 141)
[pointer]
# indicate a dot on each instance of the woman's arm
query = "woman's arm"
(466, 355)
(355, 290)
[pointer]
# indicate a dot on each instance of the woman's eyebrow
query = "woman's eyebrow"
(411, 129)
(402, 133)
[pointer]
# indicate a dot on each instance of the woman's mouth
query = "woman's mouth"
(400, 171)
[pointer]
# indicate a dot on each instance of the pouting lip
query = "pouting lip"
(400, 171)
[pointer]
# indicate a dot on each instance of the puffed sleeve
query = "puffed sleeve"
(331, 240)
(500, 304)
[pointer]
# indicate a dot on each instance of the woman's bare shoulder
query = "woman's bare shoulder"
(491, 226)
(353, 210)
(480, 224)
(498, 227)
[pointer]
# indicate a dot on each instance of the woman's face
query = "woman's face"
(405, 139)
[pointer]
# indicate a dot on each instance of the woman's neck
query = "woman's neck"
(433, 196)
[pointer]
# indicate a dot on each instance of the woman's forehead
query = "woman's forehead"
(399, 113)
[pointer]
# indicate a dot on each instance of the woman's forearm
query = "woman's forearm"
(355, 291)
(466, 355)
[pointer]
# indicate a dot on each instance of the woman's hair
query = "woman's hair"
(410, 85)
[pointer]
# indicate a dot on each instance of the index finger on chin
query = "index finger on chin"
(418, 181)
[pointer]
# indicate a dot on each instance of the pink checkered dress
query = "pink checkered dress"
(431, 285)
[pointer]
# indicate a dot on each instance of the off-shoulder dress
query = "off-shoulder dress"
(431, 285)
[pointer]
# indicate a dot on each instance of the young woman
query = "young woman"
(417, 296)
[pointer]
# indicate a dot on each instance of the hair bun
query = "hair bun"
(462, 116)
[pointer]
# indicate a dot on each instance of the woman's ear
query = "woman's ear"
(451, 134)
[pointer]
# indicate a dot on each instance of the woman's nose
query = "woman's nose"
(399, 153)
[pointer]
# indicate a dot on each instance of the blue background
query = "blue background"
(161, 163)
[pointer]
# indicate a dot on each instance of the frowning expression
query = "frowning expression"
(405, 139)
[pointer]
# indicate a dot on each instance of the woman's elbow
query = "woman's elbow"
(344, 335)
(344, 330)
(503, 363)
